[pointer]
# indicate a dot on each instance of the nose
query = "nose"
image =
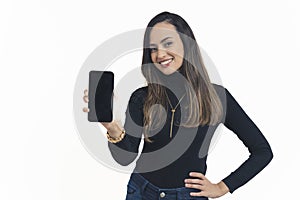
(161, 53)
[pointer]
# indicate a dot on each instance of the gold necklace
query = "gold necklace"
(173, 112)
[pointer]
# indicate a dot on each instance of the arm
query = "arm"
(125, 151)
(260, 151)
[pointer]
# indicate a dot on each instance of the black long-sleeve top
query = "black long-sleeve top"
(166, 162)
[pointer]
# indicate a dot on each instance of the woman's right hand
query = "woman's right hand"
(112, 127)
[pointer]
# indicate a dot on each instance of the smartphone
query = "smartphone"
(101, 86)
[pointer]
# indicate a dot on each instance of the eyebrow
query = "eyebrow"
(162, 40)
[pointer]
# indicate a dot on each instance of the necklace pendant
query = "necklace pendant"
(173, 112)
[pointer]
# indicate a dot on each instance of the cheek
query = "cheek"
(179, 61)
(177, 51)
(179, 55)
(181, 52)
(153, 57)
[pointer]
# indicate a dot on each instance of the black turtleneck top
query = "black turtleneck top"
(166, 162)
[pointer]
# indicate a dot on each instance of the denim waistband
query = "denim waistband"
(148, 189)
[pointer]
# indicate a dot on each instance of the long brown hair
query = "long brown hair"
(201, 95)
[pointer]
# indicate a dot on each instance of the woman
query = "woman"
(177, 113)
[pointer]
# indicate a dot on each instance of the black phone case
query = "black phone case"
(101, 85)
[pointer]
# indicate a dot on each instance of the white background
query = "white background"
(254, 44)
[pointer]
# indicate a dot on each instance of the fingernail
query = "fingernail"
(86, 109)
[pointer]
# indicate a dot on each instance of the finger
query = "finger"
(198, 175)
(86, 92)
(196, 186)
(198, 194)
(86, 109)
(195, 180)
(86, 99)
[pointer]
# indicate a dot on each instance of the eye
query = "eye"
(167, 44)
(153, 49)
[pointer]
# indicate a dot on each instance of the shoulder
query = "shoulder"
(228, 100)
(138, 96)
(222, 93)
(220, 90)
(218, 87)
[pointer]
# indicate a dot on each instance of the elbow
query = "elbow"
(124, 161)
(124, 164)
(263, 156)
(122, 156)
(270, 155)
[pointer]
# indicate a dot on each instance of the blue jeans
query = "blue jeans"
(139, 188)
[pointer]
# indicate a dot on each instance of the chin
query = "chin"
(168, 72)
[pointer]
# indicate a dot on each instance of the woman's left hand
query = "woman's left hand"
(207, 188)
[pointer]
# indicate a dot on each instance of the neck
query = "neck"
(174, 82)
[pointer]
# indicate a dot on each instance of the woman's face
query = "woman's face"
(166, 48)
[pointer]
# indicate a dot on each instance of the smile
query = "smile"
(166, 62)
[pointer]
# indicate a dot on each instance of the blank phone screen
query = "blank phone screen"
(101, 85)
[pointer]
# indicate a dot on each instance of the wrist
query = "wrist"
(223, 187)
(114, 130)
(115, 139)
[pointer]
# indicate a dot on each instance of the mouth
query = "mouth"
(166, 63)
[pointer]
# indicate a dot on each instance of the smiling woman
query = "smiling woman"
(166, 48)
(178, 113)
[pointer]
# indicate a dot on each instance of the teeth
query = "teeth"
(166, 62)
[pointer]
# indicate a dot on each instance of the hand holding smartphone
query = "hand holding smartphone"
(101, 86)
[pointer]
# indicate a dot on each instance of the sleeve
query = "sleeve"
(125, 151)
(260, 151)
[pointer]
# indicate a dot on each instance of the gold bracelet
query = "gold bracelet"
(115, 140)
